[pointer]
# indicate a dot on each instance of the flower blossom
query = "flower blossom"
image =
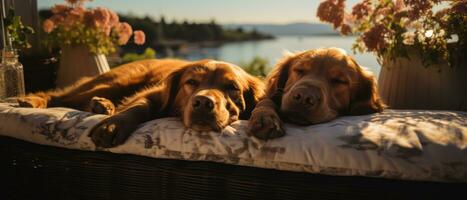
(113, 20)
(332, 11)
(139, 37)
(362, 9)
(101, 17)
(428, 33)
(57, 19)
(375, 39)
(91, 25)
(59, 9)
(74, 16)
(124, 31)
(346, 29)
(48, 25)
(409, 38)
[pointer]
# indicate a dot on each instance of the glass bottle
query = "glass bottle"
(11, 75)
(11, 70)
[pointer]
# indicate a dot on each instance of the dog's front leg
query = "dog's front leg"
(265, 122)
(115, 129)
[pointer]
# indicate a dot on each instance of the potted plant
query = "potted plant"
(14, 38)
(85, 36)
(421, 45)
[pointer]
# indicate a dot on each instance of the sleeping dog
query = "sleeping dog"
(207, 95)
(312, 87)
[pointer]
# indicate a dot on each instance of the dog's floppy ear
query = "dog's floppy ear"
(171, 85)
(277, 78)
(365, 98)
(254, 92)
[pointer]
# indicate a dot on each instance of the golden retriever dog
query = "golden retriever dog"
(312, 87)
(207, 95)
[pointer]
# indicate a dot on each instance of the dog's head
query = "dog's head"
(318, 85)
(209, 95)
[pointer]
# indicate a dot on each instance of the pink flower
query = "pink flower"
(101, 17)
(48, 25)
(57, 19)
(362, 9)
(124, 31)
(113, 20)
(345, 29)
(332, 11)
(375, 38)
(59, 9)
(139, 37)
(124, 28)
(123, 39)
(74, 16)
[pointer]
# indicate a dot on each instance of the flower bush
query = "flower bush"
(437, 28)
(99, 29)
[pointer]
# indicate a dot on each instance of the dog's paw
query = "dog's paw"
(111, 132)
(101, 105)
(32, 102)
(265, 125)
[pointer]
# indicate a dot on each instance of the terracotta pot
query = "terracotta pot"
(406, 84)
(77, 62)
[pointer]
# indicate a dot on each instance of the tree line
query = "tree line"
(159, 31)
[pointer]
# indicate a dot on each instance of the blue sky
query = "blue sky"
(223, 11)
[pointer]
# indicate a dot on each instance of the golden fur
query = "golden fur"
(312, 87)
(206, 94)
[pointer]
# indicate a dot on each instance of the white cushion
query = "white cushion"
(398, 144)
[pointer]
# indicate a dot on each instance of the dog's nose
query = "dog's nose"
(309, 97)
(202, 103)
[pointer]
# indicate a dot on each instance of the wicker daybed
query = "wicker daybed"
(397, 154)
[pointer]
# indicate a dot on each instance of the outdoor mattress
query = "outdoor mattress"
(394, 144)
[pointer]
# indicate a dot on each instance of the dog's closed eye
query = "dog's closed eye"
(192, 82)
(231, 87)
(299, 72)
(339, 81)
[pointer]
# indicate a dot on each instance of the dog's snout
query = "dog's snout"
(202, 103)
(308, 97)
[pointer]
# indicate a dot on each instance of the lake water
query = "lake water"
(273, 50)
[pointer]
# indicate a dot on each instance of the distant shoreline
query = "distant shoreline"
(288, 29)
(180, 45)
